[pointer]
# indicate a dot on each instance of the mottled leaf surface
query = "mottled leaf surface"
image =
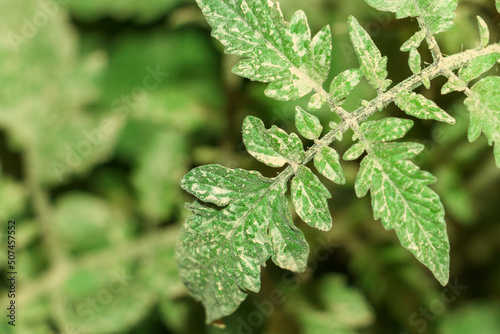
(437, 15)
(220, 251)
(484, 107)
(274, 51)
(413, 42)
(220, 185)
(309, 197)
(273, 146)
(327, 163)
(373, 65)
(484, 32)
(343, 84)
(478, 66)
(401, 197)
(308, 125)
(417, 105)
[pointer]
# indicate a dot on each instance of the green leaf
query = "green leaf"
(220, 185)
(418, 106)
(62, 137)
(373, 65)
(403, 201)
(219, 255)
(140, 11)
(309, 197)
(343, 84)
(114, 281)
(327, 163)
(386, 129)
(316, 102)
(354, 152)
(415, 61)
(437, 15)
(157, 173)
(484, 108)
(497, 4)
(413, 42)
(274, 147)
(274, 51)
(453, 84)
(12, 198)
(79, 233)
(344, 310)
(478, 66)
(477, 316)
(308, 125)
(484, 32)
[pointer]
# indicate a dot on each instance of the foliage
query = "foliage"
(220, 251)
(106, 105)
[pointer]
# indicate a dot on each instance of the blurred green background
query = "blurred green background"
(105, 105)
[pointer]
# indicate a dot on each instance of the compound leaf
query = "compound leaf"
(273, 146)
(437, 15)
(403, 201)
(327, 163)
(484, 108)
(219, 253)
(309, 197)
(274, 51)
(417, 105)
(343, 84)
(373, 65)
(308, 125)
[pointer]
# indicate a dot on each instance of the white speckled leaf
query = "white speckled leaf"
(220, 185)
(437, 15)
(373, 65)
(415, 61)
(413, 42)
(309, 197)
(354, 152)
(403, 201)
(478, 66)
(386, 129)
(273, 146)
(484, 108)
(327, 163)
(453, 84)
(274, 51)
(316, 101)
(220, 252)
(343, 84)
(417, 105)
(308, 125)
(484, 32)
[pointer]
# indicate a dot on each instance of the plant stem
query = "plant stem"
(431, 42)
